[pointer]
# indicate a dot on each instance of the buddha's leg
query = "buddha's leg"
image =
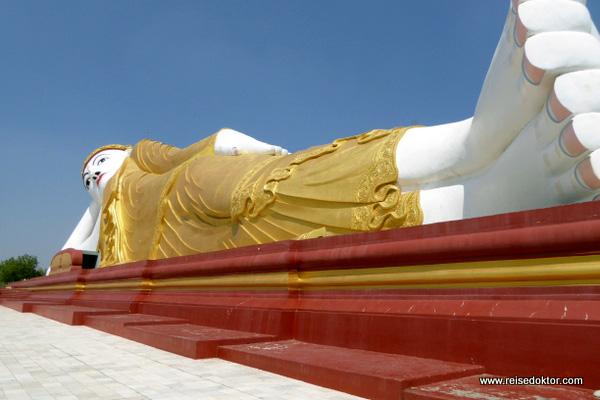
(496, 162)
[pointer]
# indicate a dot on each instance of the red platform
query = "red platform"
(509, 295)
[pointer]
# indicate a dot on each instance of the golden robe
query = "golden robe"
(167, 202)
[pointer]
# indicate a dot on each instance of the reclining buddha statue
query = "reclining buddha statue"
(533, 142)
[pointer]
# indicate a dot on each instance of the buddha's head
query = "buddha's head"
(102, 165)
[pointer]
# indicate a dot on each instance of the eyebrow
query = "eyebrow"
(95, 158)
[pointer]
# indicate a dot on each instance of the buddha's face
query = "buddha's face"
(100, 168)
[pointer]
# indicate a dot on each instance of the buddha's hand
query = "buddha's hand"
(234, 143)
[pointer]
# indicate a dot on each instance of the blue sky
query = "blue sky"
(77, 75)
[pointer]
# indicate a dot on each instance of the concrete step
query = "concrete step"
(194, 341)
(471, 388)
(359, 372)
(71, 315)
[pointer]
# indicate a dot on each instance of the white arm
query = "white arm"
(233, 143)
(91, 243)
(85, 235)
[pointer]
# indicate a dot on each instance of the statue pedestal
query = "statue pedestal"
(509, 295)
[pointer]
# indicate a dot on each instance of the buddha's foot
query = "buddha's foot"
(532, 142)
(542, 40)
(554, 159)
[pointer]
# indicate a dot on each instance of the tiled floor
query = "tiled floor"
(44, 359)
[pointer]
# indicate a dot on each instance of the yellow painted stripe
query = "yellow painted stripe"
(136, 284)
(277, 280)
(270, 280)
(66, 287)
(558, 271)
(486, 273)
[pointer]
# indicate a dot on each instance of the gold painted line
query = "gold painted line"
(578, 270)
(497, 271)
(70, 286)
(293, 279)
(261, 280)
(137, 284)
(459, 285)
(564, 261)
(255, 281)
(147, 284)
(463, 273)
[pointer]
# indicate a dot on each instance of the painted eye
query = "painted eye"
(88, 182)
(102, 160)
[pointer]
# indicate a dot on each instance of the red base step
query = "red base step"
(359, 372)
(194, 341)
(71, 315)
(25, 306)
(117, 324)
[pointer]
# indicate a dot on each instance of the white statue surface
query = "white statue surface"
(533, 141)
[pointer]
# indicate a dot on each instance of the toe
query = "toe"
(576, 140)
(587, 172)
(575, 93)
(553, 53)
(580, 182)
(537, 16)
(582, 135)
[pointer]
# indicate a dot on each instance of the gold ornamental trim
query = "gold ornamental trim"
(531, 272)
(390, 207)
(559, 271)
(53, 288)
(267, 280)
(277, 280)
(134, 284)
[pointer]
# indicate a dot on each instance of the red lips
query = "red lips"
(98, 180)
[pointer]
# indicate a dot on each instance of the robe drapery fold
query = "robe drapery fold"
(168, 202)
